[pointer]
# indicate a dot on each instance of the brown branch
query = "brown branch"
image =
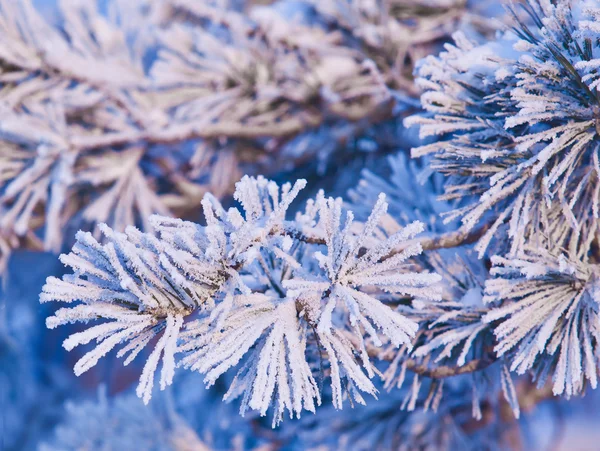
(297, 234)
(529, 396)
(447, 240)
(454, 239)
(444, 371)
(435, 372)
(432, 242)
(178, 133)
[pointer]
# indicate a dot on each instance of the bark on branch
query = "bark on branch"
(176, 134)
(444, 371)
(428, 243)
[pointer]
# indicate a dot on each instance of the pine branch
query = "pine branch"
(445, 371)
(446, 240)
(185, 132)
(243, 276)
(450, 240)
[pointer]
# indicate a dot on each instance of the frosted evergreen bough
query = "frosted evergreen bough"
(549, 321)
(244, 275)
(460, 289)
(517, 137)
(518, 120)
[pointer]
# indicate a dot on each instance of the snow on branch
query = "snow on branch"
(238, 293)
(548, 321)
(517, 118)
(132, 285)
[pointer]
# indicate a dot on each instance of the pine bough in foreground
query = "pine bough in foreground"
(290, 303)
(249, 290)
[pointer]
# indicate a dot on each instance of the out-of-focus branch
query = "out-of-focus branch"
(278, 88)
(529, 397)
(181, 133)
